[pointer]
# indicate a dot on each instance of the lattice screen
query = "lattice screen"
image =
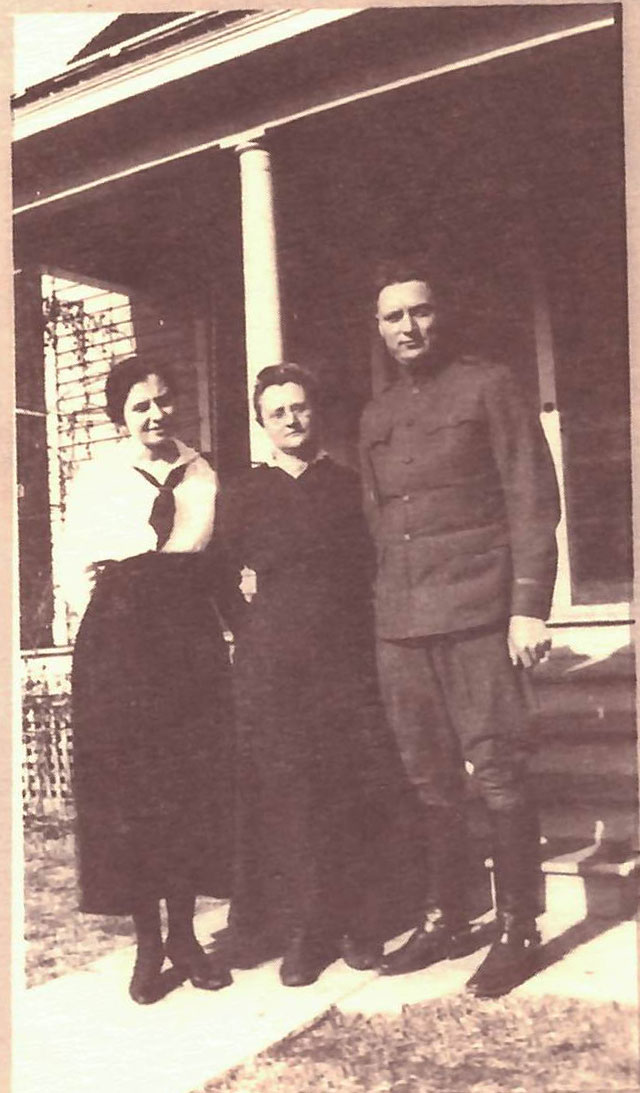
(47, 739)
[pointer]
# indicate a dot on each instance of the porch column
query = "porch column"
(549, 416)
(263, 327)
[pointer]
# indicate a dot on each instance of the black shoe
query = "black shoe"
(205, 970)
(435, 939)
(146, 984)
(512, 958)
(304, 960)
(360, 953)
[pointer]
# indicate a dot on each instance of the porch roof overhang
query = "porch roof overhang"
(212, 92)
(176, 51)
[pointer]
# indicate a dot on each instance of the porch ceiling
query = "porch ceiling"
(167, 230)
(270, 87)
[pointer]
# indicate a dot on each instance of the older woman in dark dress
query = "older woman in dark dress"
(151, 687)
(309, 731)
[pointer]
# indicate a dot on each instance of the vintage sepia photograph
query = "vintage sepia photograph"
(327, 743)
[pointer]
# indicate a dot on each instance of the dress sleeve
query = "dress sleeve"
(530, 490)
(224, 559)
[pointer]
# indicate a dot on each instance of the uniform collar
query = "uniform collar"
(415, 379)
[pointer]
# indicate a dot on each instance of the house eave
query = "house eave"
(100, 87)
(222, 131)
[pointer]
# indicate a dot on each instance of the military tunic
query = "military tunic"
(462, 500)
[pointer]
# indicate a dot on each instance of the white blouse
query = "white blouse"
(108, 509)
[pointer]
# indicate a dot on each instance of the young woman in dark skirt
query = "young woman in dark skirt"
(151, 694)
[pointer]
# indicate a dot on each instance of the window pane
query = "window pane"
(581, 214)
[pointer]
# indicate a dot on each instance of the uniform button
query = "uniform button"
(406, 497)
(407, 535)
(415, 390)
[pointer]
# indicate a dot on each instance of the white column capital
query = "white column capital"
(254, 144)
(239, 140)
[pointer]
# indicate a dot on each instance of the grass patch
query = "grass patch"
(60, 939)
(454, 1045)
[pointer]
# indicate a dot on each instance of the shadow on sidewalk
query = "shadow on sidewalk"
(580, 933)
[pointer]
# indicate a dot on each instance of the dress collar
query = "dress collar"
(292, 466)
(159, 468)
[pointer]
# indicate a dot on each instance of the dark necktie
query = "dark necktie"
(164, 507)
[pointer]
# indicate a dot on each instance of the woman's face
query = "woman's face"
(149, 413)
(287, 417)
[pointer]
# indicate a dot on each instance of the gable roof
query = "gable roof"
(127, 28)
(120, 29)
(131, 38)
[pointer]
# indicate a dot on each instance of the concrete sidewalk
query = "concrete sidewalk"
(589, 960)
(82, 1034)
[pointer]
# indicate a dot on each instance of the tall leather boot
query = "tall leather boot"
(443, 929)
(513, 957)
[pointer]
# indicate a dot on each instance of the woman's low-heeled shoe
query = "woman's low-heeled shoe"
(146, 984)
(304, 960)
(205, 970)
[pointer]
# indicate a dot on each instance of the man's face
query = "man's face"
(287, 418)
(407, 320)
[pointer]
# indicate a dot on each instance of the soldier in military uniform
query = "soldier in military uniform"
(462, 501)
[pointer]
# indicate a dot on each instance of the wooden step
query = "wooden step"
(594, 651)
(595, 696)
(583, 712)
(573, 821)
(577, 819)
(590, 896)
(581, 757)
(609, 729)
(591, 788)
(600, 880)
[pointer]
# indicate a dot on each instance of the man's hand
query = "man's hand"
(528, 640)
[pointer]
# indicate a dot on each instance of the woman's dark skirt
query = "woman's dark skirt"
(318, 773)
(153, 737)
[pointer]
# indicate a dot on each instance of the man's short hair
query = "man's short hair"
(124, 375)
(399, 270)
(275, 375)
